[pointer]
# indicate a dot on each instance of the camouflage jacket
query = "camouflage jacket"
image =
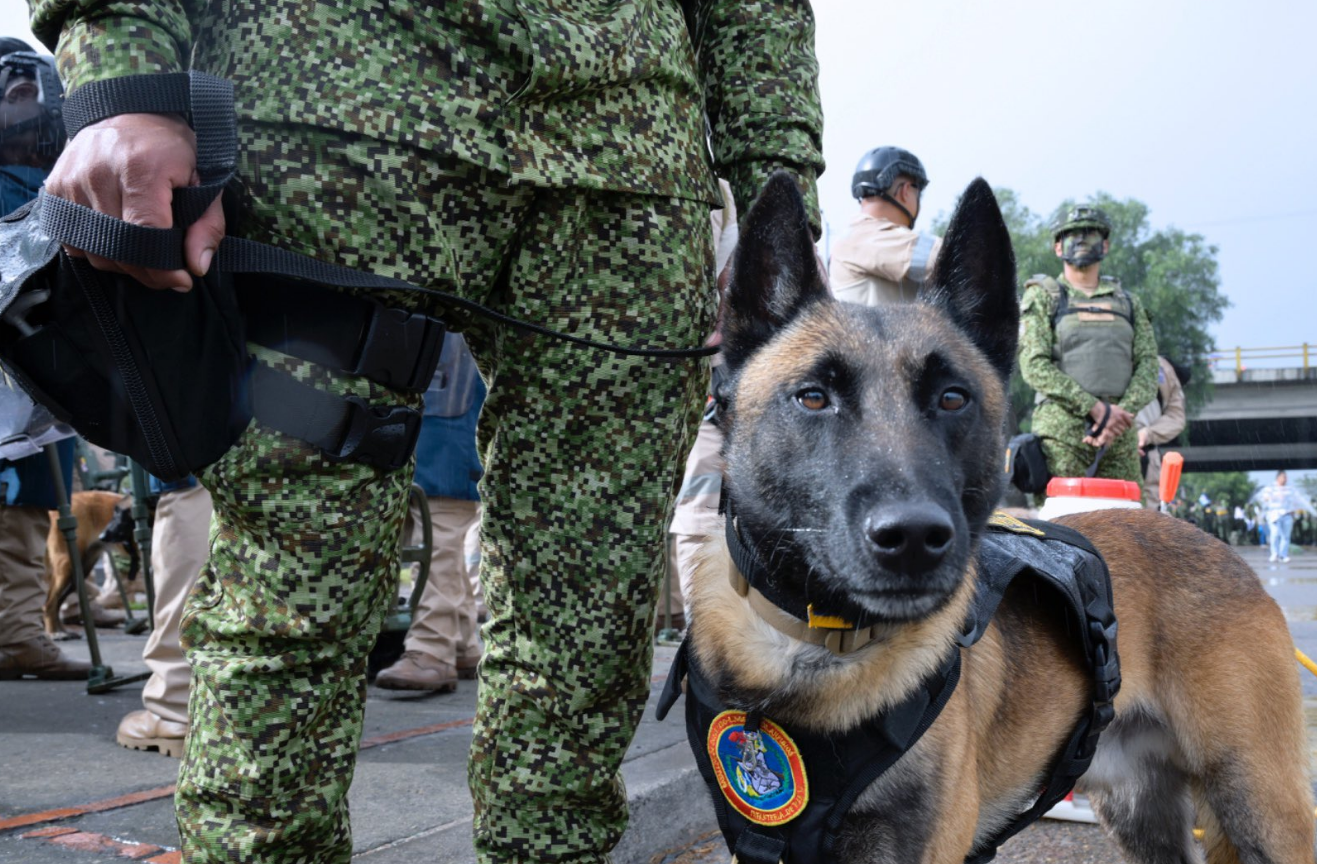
(1040, 370)
(593, 94)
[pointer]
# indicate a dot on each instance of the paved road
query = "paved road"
(69, 795)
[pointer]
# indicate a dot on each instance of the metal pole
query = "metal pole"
(142, 534)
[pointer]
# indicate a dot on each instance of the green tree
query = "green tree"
(1174, 274)
(1233, 488)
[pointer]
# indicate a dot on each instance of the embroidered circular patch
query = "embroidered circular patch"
(760, 773)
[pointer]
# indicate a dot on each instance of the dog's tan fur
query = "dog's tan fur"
(93, 510)
(1209, 710)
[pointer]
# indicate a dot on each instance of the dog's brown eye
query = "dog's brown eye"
(953, 400)
(813, 399)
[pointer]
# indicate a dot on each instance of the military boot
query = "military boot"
(416, 670)
(146, 730)
(40, 658)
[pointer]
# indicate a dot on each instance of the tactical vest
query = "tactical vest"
(1093, 338)
(782, 793)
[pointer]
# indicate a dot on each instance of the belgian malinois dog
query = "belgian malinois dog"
(864, 458)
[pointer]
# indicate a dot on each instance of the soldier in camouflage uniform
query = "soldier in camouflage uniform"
(551, 158)
(1087, 348)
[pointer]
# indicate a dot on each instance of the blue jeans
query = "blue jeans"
(1278, 536)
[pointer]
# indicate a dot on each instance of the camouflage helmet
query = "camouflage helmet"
(1079, 218)
(879, 168)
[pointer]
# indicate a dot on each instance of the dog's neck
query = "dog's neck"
(793, 614)
(752, 660)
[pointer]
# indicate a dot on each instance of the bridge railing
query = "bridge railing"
(1238, 356)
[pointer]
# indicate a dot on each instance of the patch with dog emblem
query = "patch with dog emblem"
(760, 773)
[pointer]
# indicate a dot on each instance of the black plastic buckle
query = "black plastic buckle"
(401, 349)
(383, 437)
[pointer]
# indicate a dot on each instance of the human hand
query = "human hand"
(128, 166)
(1103, 438)
(1143, 441)
(1121, 420)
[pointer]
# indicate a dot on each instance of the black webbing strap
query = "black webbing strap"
(357, 335)
(755, 848)
(902, 726)
(1089, 599)
(207, 102)
(344, 428)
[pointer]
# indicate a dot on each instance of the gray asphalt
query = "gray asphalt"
(70, 795)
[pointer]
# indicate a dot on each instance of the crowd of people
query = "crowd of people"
(550, 468)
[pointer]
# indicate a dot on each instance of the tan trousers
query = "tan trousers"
(180, 543)
(445, 624)
(23, 533)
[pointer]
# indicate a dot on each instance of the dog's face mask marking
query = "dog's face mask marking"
(863, 444)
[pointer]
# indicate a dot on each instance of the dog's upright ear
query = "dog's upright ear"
(775, 271)
(974, 276)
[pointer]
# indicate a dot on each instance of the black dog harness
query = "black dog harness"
(781, 793)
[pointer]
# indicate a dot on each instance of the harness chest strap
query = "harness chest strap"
(812, 779)
(1061, 558)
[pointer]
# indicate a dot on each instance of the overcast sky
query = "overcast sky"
(1203, 110)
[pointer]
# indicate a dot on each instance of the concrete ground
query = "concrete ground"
(70, 795)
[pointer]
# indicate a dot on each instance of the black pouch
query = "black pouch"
(1026, 466)
(157, 375)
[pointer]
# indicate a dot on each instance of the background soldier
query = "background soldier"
(562, 176)
(1160, 422)
(883, 259)
(1088, 349)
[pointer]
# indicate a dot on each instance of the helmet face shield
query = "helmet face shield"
(31, 110)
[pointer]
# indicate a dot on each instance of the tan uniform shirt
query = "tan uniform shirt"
(1164, 418)
(881, 262)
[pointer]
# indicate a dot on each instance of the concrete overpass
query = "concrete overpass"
(1258, 420)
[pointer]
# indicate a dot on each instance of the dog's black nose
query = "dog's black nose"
(909, 537)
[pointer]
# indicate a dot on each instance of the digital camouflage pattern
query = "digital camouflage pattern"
(560, 180)
(1062, 420)
(559, 93)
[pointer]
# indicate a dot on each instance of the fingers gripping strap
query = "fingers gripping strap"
(98, 234)
(207, 103)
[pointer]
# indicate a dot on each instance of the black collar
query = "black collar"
(823, 620)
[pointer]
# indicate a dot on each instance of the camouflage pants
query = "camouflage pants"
(1068, 455)
(582, 452)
